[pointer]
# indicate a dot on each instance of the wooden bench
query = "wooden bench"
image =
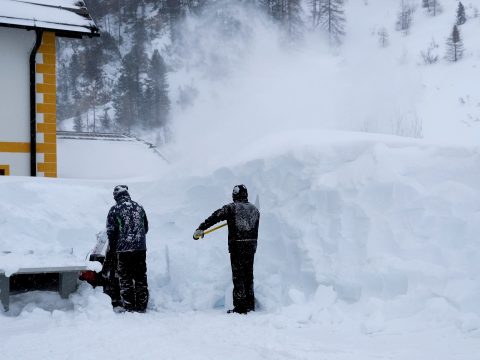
(67, 280)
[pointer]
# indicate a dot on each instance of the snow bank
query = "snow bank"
(369, 229)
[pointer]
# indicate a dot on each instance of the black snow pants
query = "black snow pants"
(132, 273)
(111, 286)
(242, 276)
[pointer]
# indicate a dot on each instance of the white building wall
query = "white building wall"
(15, 48)
(19, 163)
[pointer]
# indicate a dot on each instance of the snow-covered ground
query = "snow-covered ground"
(368, 244)
(368, 249)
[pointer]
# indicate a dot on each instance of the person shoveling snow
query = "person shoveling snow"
(242, 219)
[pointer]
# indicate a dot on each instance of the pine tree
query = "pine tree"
(176, 11)
(77, 122)
(157, 92)
(63, 90)
(74, 71)
(129, 101)
(461, 17)
(314, 12)
(293, 19)
(128, 90)
(331, 18)
(434, 7)
(404, 17)
(287, 13)
(105, 120)
(454, 46)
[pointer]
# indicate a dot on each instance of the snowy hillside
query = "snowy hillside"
(261, 86)
(360, 235)
(232, 64)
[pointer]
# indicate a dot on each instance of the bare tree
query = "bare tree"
(430, 56)
(383, 38)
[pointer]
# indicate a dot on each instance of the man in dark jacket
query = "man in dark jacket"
(127, 226)
(243, 220)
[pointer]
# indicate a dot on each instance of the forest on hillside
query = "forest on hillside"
(119, 82)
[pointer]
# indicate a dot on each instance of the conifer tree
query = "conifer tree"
(314, 12)
(405, 17)
(157, 92)
(331, 18)
(287, 13)
(128, 91)
(434, 7)
(77, 122)
(176, 11)
(293, 19)
(461, 17)
(105, 120)
(74, 75)
(454, 46)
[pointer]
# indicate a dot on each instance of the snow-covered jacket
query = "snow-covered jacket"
(243, 219)
(127, 225)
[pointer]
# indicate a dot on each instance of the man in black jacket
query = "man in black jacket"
(127, 226)
(243, 220)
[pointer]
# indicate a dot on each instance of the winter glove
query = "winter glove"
(198, 234)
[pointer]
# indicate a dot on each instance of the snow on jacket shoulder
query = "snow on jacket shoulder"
(127, 226)
(243, 219)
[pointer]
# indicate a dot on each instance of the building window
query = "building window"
(4, 170)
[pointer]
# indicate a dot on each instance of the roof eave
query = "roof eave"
(94, 32)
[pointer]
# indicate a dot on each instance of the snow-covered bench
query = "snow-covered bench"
(67, 280)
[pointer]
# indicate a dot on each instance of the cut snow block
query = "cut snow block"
(4, 291)
(68, 283)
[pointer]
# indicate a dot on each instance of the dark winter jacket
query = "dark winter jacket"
(243, 219)
(127, 225)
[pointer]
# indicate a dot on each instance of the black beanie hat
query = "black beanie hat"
(240, 192)
(120, 190)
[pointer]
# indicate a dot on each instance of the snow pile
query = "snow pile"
(374, 230)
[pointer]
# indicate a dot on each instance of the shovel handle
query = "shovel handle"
(215, 228)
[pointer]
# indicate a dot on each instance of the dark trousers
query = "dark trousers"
(109, 275)
(132, 273)
(242, 276)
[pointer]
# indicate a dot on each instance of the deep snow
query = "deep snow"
(368, 244)
(367, 249)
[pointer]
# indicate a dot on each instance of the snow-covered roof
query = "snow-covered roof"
(65, 17)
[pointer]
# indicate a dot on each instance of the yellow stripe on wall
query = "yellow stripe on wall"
(14, 147)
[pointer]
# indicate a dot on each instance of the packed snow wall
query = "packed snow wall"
(376, 228)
